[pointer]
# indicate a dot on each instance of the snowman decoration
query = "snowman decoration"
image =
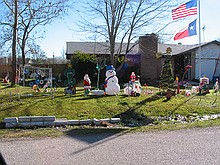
(111, 82)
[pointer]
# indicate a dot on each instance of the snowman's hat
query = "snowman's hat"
(110, 67)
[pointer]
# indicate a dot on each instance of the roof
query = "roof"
(176, 48)
(97, 47)
(179, 48)
(102, 47)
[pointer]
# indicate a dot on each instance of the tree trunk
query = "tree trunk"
(23, 55)
(14, 43)
(112, 51)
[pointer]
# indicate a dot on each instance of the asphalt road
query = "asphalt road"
(185, 147)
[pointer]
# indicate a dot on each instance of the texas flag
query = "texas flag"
(187, 32)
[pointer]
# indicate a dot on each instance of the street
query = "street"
(186, 147)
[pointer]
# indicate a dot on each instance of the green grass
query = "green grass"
(14, 103)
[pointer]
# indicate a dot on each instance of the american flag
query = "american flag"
(184, 10)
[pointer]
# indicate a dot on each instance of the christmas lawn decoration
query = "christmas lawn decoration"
(133, 87)
(71, 81)
(166, 77)
(111, 86)
(203, 85)
(216, 86)
(111, 82)
(87, 84)
(37, 77)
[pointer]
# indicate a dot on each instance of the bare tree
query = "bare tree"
(124, 20)
(14, 40)
(36, 53)
(23, 17)
(33, 14)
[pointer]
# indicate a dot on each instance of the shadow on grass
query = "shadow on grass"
(190, 98)
(131, 118)
(10, 107)
(93, 97)
(181, 104)
(5, 86)
(17, 103)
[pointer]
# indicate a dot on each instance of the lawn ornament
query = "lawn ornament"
(33, 75)
(71, 80)
(188, 93)
(176, 85)
(46, 85)
(195, 89)
(87, 84)
(187, 67)
(147, 90)
(133, 77)
(133, 88)
(100, 65)
(128, 89)
(111, 82)
(169, 94)
(69, 90)
(38, 75)
(137, 85)
(216, 86)
(98, 92)
(26, 71)
(36, 88)
(6, 79)
(203, 86)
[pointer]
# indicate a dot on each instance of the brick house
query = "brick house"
(147, 55)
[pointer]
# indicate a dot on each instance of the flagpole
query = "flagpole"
(199, 52)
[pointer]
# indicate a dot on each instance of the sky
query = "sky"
(62, 31)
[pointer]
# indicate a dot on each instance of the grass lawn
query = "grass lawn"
(140, 110)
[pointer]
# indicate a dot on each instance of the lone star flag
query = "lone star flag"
(184, 10)
(187, 32)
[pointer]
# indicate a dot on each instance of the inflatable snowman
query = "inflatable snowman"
(111, 82)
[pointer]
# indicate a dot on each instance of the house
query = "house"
(184, 55)
(147, 56)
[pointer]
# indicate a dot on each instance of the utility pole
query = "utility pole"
(200, 47)
(14, 43)
(53, 58)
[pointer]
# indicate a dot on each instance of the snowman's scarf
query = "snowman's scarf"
(106, 81)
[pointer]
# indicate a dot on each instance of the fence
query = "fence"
(5, 69)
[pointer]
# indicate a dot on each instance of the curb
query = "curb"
(49, 121)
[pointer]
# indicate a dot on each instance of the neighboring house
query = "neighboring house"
(144, 54)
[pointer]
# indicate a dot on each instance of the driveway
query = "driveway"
(183, 147)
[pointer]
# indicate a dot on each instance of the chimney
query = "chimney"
(150, 65)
